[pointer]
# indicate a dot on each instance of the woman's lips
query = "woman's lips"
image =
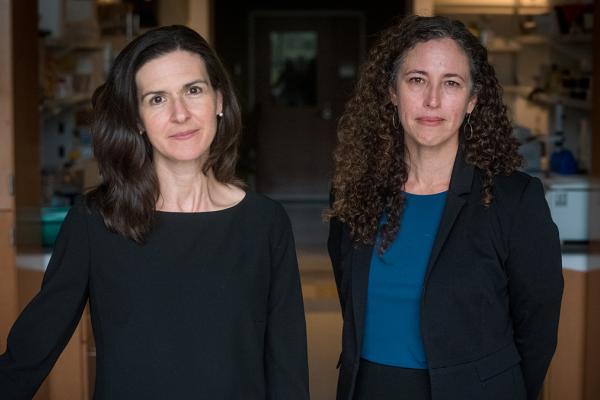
(184, 135)
(430, 121)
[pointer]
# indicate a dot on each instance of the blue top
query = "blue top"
(392, 334)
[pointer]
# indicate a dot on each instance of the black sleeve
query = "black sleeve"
(535, 282)
(334, 242)
(45, 326)
(286, 362)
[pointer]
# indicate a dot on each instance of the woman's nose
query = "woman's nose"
(180, 112)
(432, 97)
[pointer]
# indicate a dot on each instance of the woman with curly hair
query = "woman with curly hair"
(192, 281)
(447, 262)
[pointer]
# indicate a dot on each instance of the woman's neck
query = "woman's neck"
(185, 188)
(429, 170)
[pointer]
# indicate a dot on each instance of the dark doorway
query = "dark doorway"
(233, 42)
(304, 68)
(290, 116)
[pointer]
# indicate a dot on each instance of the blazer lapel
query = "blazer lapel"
(361, 265)
(460, 184)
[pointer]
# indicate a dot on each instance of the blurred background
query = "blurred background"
(294, 65)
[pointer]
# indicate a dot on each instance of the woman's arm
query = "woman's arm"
(334, 242)
(286, 365)
(45, 326)
(535, 285)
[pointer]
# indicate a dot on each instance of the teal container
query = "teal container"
(52, 219)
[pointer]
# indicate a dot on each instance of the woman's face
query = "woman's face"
(432, 94)
(178, 106)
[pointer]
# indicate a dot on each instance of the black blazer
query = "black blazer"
(491, 298)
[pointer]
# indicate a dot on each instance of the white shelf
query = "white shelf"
(65, 46)
(35, 261)
(522, 91)
(504, 48)
(547, 99)
(56, 106)
(448, 8)
(555, 40)
(550, 100)
(580, 38)
(532, 39)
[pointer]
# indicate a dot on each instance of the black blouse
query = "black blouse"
(210, 307)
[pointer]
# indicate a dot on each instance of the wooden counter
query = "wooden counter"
(575, 370)
(573, 375)
(70, 377)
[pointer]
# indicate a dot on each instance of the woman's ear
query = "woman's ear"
(393, 96)
(219, 102)
(471, 104)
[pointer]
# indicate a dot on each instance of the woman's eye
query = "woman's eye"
(416, 80)
(156, 100)
(452, 84)
(195, 90)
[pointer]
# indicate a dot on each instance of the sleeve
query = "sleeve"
(535, 285)
(286, 363)
(45, 326)
(334, 248)
(334, 244)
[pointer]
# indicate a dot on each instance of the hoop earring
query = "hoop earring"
(395, 120)
(469, 134)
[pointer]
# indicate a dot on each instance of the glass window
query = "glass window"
(293, 68)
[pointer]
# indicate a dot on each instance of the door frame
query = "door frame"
(254, 15)
(8, 271)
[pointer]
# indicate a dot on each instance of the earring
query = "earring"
(469, 134)
(141, 132)
(395, 119)
(220, 115)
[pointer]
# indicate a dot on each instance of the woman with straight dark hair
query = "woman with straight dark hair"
(446, 260)
(192, 281)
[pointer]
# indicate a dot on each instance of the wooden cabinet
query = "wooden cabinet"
(69, 379)
(8, 290)
(6, 112)
(595, 123)
(8, 279)
(25, 104)
(20, 175)
(573, 373)
(574, 370)
(6, 109)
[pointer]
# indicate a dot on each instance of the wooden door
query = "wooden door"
(8, 285)
(304, 71)
(8, 278)
(6, 109)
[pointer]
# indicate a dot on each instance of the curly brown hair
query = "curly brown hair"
(370, 167)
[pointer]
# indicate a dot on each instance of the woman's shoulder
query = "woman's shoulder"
(264, 206)
(85, 210)
(513, 185)
(80, 209)
(511, 191)
(267, 212)
(76, 221)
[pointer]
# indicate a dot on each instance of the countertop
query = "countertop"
(571, 260)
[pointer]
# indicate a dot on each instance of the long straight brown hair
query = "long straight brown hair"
(126, 198)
